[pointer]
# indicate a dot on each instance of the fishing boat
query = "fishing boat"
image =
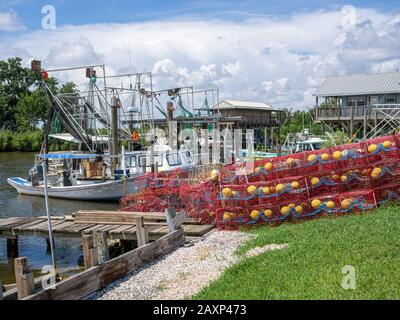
(302, 141)
(88, 177)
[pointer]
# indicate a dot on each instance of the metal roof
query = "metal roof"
(360, 84)
(238, 104)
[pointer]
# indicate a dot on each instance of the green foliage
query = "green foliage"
(14, 81)
(23, 107)
(336, 139)
(295, 124)
(310, 267)
(32, 108)
(22, 141)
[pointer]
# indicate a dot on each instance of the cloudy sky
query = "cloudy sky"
(272, 51)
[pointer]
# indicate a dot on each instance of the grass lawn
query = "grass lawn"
(311, 266)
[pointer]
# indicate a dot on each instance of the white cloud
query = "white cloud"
(279, 61)
(9, 21)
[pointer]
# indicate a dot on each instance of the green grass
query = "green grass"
(310, 267)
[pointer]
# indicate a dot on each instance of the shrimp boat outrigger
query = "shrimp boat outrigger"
(91, 173)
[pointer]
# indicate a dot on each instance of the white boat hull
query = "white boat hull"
(106, 191)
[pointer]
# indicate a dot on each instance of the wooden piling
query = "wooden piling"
(24, 278)
(171, 213)
(174, 220)
(1, 291)
(89, 252)
(142, 234)
(351, 124)
(12, 247)
(100, 243)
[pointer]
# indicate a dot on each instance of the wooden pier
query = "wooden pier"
(154, 234)
(116, 224)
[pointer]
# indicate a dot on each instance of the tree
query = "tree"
(296, 122)
(14, 82)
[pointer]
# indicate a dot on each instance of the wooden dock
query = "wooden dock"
(155, 234)
(116, 224)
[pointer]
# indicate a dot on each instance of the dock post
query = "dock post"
(142, 234)
(89, 252)
(12, 247)
(171, 213)
(48, 245)
(100, 242)
(174, 220)
(24, 278)
(1, 291)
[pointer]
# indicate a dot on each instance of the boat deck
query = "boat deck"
(116, 224)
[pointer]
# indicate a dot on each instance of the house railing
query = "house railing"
(355, 112)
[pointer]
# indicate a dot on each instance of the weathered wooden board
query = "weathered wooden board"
(93, 279)
(4, 223)
(121, 217)
(17, 223)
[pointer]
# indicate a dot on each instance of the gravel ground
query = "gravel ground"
(260, 250)
(181, 273)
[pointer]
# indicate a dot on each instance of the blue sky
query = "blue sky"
(259, 50)
(122, 11)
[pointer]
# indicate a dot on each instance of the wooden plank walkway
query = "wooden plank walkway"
(117, 225)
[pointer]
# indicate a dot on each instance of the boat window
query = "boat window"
(187, 157)
(157, 159)
(305, 147)
(131, 161)
(317, 146)
(174, 159)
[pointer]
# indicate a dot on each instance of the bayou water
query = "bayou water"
(67, 251)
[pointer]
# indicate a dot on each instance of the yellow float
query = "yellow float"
(311, 158)
(314, 181)
(330, 204)
(268, 166)
(285, 210)
(295, 185)
(344, 178)
(345, 203)
(227, 192)
(316, 203)
(376, 172)
(372, 148)
(254, 214)
(299, 209)
(387, 144)
(279, 187)
(337, 155)
(266, 190)
(227, 216)
(252, 189)
(268, 213)
(325, 156)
